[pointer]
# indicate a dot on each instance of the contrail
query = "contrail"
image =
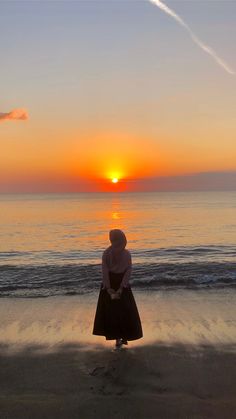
(195, 39)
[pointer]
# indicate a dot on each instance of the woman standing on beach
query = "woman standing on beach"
(117, 316)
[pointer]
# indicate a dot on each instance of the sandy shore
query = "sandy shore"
(153, 381)
(51, 366)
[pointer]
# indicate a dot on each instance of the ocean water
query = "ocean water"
(52, 244)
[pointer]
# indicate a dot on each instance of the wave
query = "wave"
(210, 253)
(71, 279)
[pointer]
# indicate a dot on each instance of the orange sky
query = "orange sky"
(108, 100)
(94, 159)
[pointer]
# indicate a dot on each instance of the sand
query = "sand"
(155, 381)
(51, 366)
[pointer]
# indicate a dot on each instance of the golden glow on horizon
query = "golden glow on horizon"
(72, 166)
(115, 180)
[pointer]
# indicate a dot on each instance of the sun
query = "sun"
(115, 180)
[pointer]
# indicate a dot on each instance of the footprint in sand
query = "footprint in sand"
(97, 371)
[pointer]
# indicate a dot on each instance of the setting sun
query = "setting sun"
(114, 180)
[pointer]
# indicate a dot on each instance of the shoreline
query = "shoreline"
(183, 316)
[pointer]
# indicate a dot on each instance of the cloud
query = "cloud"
(202, 181)
(195, 39)
(15, 115)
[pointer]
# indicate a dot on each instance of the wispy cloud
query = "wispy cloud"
(16, 114)
(195, 39)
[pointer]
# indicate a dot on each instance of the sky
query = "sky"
(92, 90)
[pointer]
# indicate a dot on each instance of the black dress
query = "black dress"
(118, 318)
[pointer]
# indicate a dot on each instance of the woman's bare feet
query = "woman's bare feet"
(120, 342)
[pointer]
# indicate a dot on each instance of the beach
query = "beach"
(146, 382)
(183, 279)
(154, 381)
(184, 367)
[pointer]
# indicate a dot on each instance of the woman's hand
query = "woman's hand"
(111, 291)
(119, 291)
(115, 295)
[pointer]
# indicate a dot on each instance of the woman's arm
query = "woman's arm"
(127, 275)
(105, 273)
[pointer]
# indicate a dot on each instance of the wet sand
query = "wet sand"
(155, 381)
(51, 366)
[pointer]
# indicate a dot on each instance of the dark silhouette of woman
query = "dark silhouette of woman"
(117, 315)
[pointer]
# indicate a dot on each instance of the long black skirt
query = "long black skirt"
(119, 318)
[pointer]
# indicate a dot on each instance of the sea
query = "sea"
(52, 244)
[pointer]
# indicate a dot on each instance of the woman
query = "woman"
(117, 316)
